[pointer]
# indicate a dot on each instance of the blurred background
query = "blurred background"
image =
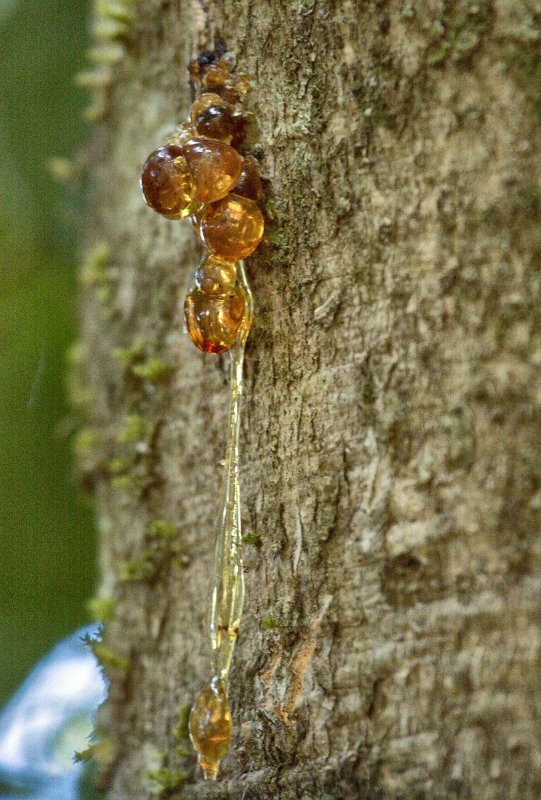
(47, 543)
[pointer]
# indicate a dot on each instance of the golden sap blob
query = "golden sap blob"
(215, 276)
(233, 227)
(213, 322)
(204, 102)
(167, 184)
(210, 727)
(215, 167)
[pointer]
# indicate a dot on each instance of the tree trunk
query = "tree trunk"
(391, 468)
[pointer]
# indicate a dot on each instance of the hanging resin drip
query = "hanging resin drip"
(210, 719)
(200, 171)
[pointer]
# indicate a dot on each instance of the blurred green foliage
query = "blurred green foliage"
(47, 547)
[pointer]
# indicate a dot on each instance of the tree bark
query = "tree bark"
(391, 468)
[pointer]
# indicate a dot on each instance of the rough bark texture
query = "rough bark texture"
(391, 465)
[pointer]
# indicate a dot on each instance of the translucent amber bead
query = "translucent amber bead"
(228, 93)
(216, 276)
(234, 89)
(211, 728)
(167, 184)
(233, 227)
(249, 183)
(215, 167)
(216, 74)
(205, 101)
(213, 322)
(216, 122)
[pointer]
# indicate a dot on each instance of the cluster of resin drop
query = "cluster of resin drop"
(200, 173)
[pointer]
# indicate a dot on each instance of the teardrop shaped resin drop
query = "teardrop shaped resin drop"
(233, 227)
(215, 167)
(213, 322)
(210, 727)
(167, 184)
(215, 276)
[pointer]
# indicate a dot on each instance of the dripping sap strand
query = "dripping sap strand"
(227, 597)
(210, 723)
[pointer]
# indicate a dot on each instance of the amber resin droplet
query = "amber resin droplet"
(216, 74)
(234, 89)
(210, 727)
(216, 122)
(216, 276)
(233, 227)
(249, 183)
(228, 93)
(203, 102)
(213, 322)
(167, 184)
(215, 167)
